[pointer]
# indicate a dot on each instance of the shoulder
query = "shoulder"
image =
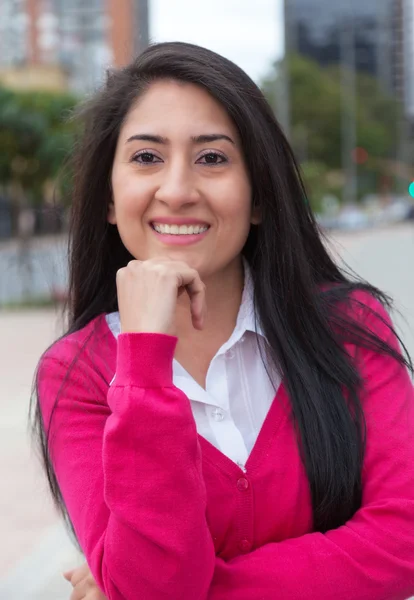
(369, 310)
(93, 347)
(76, 370)
(364, 308)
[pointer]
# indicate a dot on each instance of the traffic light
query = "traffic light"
(359, 155)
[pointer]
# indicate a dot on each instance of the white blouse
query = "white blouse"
(230, 412)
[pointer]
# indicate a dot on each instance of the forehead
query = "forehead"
(171, 105)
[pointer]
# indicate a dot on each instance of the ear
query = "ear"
(111, 217)
(256, 217)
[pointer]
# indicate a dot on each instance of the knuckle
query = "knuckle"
(160, 269)
(196, 277)
(133, 264)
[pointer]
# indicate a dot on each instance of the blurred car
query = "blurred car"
(397, 211)
(326, 222)
(352, 218)
(5, 218)
(410, 213)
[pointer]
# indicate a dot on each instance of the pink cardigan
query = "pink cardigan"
(162, 514)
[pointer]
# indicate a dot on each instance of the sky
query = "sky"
(248, 32)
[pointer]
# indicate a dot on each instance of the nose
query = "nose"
(177, 187)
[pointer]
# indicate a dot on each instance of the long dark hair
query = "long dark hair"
(300, 292)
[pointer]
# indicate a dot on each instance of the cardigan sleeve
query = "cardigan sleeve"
(371, 557)
(129, 469)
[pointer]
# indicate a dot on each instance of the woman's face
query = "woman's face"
(180, 184)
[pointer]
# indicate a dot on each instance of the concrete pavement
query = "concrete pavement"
(385, 258)
(34, 548)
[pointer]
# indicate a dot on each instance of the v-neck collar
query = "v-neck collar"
(278, 412)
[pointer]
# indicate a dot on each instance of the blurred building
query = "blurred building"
(79, 39)
(380, 31)
(409, 53)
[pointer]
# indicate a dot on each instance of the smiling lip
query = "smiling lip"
(178, 221)
(180, 240)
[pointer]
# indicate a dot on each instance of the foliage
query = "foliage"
(316, 97)
(35, 137)
(315, 175)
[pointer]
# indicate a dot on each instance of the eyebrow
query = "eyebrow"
(199, 139)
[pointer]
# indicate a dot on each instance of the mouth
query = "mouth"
(180, 230)
(174, 234)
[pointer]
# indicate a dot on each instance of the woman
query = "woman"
(228, 416)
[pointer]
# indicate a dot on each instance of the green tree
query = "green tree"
(315, 113)
(35, 137)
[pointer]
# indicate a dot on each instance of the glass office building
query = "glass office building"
(380, 32)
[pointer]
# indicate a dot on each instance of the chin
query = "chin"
(198, 263)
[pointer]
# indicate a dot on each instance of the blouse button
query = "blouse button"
(230, 354)
(242, 484)
(245, 545)
(217, 414)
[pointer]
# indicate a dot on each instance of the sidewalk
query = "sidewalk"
(38, 576)
(34, 548)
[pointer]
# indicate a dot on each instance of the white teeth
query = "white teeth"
(180, 229)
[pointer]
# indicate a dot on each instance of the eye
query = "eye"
(145, 158)
(212, 158)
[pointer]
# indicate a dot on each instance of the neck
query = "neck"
(223, 297)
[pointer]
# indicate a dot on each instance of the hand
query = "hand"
(148, 292)
(84, 585)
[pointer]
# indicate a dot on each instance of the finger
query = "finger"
(197, 294)
(81, 590)
(77, 594)
(79, 574)
(68, 574)
(190, 280)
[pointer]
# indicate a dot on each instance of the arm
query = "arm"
(372, 556)
(130, 472)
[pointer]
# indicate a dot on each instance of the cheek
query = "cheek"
(130, 195)
(237, 206)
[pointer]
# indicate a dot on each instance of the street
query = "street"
(34, 546)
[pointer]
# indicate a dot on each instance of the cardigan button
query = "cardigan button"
(242, 484)
(245, 545)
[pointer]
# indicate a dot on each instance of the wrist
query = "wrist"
(145, 359)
